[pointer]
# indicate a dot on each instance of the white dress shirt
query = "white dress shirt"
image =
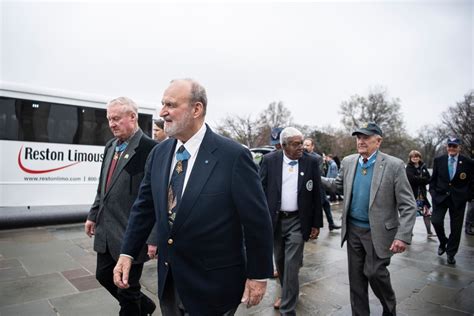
(192, 147)
(289, 185)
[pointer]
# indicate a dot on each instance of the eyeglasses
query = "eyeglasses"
(453, 145)
(295, 144)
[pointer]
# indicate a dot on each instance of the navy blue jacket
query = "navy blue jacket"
(460, 188)
(223, 201)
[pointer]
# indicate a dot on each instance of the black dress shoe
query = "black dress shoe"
(332, 227)
(441, 250)
(451, 260)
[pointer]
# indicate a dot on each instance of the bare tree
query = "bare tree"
(240, 128)
(256, 132)
(377, 107)
(275, 115)
(429, 139)
(459, 121)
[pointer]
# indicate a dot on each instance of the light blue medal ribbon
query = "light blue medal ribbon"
(368, 164)
(184, 155)
(120, 148)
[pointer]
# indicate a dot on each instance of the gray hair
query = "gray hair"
(287, 133)
(128, 105)
(198, 93)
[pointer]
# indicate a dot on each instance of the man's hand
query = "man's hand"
(152, 251)
(254, 292)
(89, 227)
(314, 233)
(398, 246)
(121, 271)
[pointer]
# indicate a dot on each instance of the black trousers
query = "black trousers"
(171, 304)
(365, 268)
(132, 301)
(456, 216)
(326, 207)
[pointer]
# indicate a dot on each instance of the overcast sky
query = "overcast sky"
(311, 56)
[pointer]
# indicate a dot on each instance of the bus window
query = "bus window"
(27, 120)
(8, 121)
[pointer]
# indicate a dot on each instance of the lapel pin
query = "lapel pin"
(126, 156)
(206, 162)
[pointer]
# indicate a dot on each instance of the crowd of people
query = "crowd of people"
(217, 222)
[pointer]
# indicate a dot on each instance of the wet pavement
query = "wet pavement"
(49, 270)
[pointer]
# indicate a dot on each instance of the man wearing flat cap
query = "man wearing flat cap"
(378, 217)
(451, 186)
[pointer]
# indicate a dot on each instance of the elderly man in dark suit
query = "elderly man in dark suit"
(291, 181)
(377, 220)
(204, 192)
(121, 173)
(451, 186)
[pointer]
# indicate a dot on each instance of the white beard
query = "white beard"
(177, 127)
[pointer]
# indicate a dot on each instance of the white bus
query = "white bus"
(51, 145)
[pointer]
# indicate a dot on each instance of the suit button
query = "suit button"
(166, 263)
(170, 241)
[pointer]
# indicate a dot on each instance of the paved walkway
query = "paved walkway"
(50, 271)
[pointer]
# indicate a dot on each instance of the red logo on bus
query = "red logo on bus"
(25, 169)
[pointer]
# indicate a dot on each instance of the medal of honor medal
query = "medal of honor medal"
(179, 167)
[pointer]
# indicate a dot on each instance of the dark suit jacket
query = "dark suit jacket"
(111, 208)
(223, 201)
(460, 188)
(309, 192)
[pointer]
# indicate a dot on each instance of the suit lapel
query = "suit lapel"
(161, 173)
(108, 160)
(379, 168)
(126, 156)
(459, 166)
(301, 172)
(202, 169)
(349, 178)
(444, 166)
(278, 171)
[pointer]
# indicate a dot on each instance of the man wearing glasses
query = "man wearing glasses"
(451, 186)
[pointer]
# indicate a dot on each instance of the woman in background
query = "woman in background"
(419, 176)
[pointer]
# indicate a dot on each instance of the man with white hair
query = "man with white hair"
(377, 218)
(121, 173)
(291, 181)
